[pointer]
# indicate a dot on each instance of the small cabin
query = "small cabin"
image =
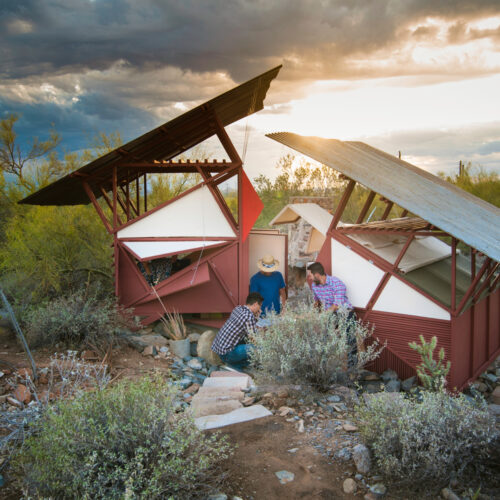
(431, 271)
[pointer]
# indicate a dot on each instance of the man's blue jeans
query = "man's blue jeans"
(239, 357)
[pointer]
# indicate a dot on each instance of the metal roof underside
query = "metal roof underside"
(162, 143)
(464, 216)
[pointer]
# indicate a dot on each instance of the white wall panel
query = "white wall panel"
(264, 244)
(398, 297)
(196, 214)
(359, 276)
(151, 249)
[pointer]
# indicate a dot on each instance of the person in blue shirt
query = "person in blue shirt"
(270, 284)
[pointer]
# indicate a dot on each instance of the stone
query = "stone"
(227, 373)
(490, 377)
(185, 382)
(89, 355)
(361, 457)
(239, 382)
(370, 496)
(204, 348)
(370, 376)
(285, 410)
(373, 387)
(480, 386)
(300, 427)
(192, 388)
(448, 494)
(164, 349)
(495, 395)
(344, 454)
(293, 450)
(195, 364)
(285, 476)
(25, 373)
(233, 417)
(22, 394)
(349, 427)
(393, 386)
(14, 402)
(494, 409)
(194, 337)
(150, 350)
(408, 383)
(378, 489)
(350, 486)
(217, 496)
(334, 399)
(202, 407)
(248, 401)
(141, 341)
(233, 392)
(389, 375)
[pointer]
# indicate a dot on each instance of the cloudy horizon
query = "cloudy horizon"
(415, 76)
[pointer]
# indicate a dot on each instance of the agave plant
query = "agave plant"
(173, 326)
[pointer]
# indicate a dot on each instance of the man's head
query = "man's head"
(318, 273)
(267, 265)
(254, 302)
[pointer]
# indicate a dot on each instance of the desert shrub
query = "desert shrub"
(306, 345)
(77, 320)
(124, 442)
(432, 373)
(428, 439)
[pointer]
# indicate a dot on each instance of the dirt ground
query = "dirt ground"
(262, 450)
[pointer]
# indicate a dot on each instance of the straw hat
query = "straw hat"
(268, 264)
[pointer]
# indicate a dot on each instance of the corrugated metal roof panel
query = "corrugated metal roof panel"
(466, 217)
(162, 143)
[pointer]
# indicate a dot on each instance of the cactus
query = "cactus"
(431, 373)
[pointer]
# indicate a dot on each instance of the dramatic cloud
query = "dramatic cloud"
(95, 65)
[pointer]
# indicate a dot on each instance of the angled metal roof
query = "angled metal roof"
(162, 143)
(466, 217)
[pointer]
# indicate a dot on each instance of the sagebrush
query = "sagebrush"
(125, 442)
(79, 320)
(427, 439)
(306, 345)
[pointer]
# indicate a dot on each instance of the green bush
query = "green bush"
(121, 443)
(308, 346)
(76, 321)
(429, 439)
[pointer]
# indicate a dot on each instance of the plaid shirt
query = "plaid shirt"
(241, 322)
(332, 292)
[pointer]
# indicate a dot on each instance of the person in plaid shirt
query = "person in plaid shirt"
(230, 343)
(329, 294)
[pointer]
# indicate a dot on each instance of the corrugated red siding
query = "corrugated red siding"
(476, 340)
(400, 329)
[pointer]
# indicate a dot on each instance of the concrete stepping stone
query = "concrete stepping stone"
(233, 417)
(213, 392)
(238, 382)
(202, 407)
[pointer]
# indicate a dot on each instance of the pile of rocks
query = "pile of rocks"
(388, 381)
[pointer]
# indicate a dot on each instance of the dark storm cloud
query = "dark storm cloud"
(78, 123)
(240, 37)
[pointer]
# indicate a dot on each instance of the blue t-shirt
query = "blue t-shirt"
(269, 287)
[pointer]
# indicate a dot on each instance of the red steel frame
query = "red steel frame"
(221, 273)
(471, 338)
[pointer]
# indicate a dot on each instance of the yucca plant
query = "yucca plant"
(173, 326)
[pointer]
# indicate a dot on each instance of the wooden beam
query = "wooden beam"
(341, 206)
(366, 207)
(98, 208)
(387, 210)
(472, 286)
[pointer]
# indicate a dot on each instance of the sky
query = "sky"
(417, 76)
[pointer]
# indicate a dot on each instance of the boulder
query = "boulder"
(350, 486)
(204, 349)
(142, 341)
(389, 375)
(361, 457)
(495, 396)
(22, 394)
(195, 364)
(408, 383)
(393, 386)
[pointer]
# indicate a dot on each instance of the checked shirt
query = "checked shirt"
(241, 323)
(332, 292)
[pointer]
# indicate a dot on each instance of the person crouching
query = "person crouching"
(230, 343)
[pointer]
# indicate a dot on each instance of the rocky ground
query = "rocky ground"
(310, 446)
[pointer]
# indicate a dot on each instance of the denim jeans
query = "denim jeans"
(238, 357)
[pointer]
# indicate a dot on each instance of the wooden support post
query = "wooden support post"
(127, 197)
(341, 206)
(115, 227)
(137, 197)
(366, 207)
(98, 208)
(387, 210)
(145, 193)
(109, 202)
(404, 213)
(453, 274)
(473, 285)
